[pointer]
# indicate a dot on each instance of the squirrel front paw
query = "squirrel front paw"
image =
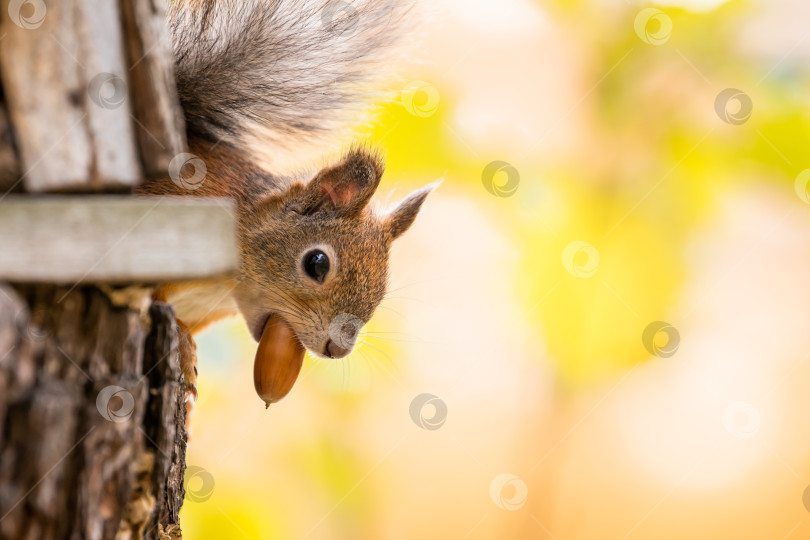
(188, 367)
(188, 361)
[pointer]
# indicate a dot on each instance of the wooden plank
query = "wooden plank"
(115, 239)
(160, 126)
(63, 74)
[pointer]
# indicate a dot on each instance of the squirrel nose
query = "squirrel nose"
(333, 350)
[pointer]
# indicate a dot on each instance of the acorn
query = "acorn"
(278, 360)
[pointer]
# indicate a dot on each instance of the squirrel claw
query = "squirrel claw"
(191, 394)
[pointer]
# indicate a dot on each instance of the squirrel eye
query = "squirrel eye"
(316, 265)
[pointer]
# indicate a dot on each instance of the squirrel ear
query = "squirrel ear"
(344, 188)
(401, 218)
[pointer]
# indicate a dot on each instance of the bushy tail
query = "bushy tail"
(282, 79)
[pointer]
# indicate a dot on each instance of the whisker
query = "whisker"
(411, 284)
(285, 297)
(378, 350)
(381, 365)
(301, 310)
(383, 306)
(420, 300)
(376, 332)
(400, 340)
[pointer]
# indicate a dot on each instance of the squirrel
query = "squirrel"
(266, 85)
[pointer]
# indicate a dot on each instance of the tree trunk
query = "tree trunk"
(92, 411)
(92, 438)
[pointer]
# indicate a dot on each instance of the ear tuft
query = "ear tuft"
(401, 218)
(364, 164)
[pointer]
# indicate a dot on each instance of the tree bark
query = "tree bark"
(92, 437)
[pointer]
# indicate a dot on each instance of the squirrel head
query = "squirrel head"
(316, 254)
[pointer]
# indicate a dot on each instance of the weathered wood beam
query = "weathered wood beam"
(65, 83)
(115, 239)
(160, 126)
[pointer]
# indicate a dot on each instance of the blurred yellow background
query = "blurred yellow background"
(633, 192)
